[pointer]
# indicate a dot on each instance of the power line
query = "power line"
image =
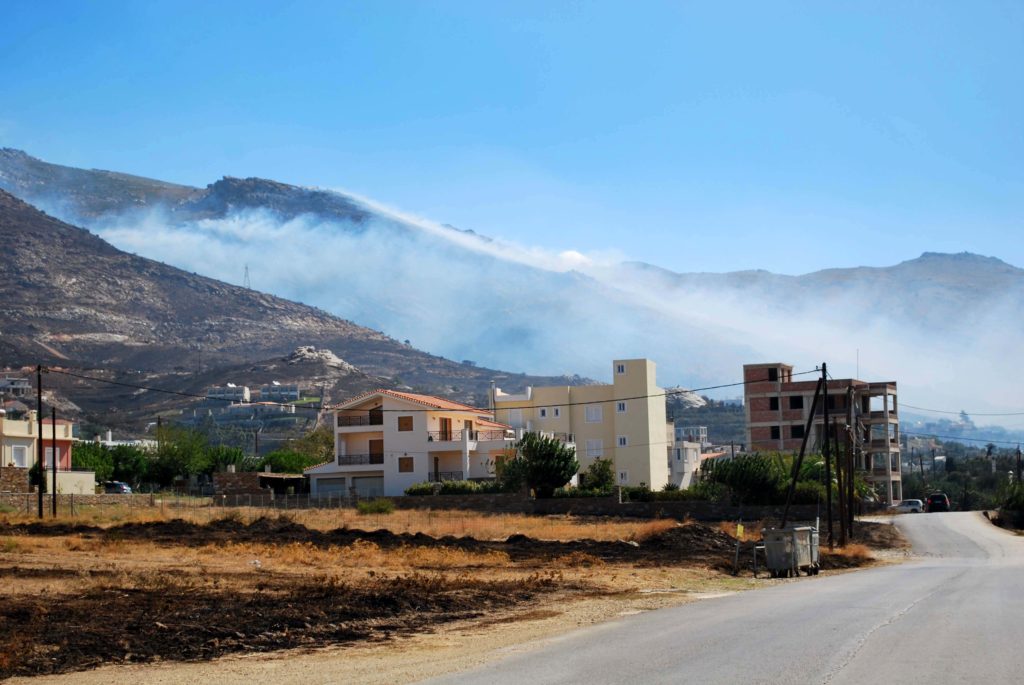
(957, 413)
(956, 438)
(179, 393)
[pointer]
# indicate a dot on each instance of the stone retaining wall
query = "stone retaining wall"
(13, 479)
(243, 483)
(29, 502)
(605, 506)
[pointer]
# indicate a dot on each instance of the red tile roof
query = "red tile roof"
(428, 400)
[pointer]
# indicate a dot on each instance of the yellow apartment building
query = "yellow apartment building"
(624, 421)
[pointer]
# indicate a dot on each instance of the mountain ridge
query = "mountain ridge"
(72, 299)
(466, 296)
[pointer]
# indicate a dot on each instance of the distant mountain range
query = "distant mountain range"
(944, 325)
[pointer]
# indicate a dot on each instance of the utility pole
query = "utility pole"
(1018, 463)
(840, 483)
(800, 457)
(53, 443)
(39, 436)
(828, 453)
(851, 463)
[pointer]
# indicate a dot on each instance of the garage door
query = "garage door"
(331, 486)
(369, 486)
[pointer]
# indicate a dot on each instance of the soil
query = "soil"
(81, 613)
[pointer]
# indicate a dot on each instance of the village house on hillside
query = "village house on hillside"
(385, 441)
(624, 421)
(777, 409)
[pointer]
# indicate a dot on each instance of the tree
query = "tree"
(547, 463)
(95, 457)
(131, 464)
(219, 457)
(288, 461)
(599, 476)
(318, 445)
(182, 452)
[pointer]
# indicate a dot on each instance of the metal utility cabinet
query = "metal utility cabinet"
(791, 550)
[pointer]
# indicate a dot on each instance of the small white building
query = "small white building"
(385, 441)
(684, 463)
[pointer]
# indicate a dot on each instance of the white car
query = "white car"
(908, 506)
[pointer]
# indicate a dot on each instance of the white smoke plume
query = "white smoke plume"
(513, 307)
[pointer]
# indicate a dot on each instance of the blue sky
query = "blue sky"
(697, 136)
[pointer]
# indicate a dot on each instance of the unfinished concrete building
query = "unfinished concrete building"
(777, 407)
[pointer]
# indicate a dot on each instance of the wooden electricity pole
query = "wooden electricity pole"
(826, 449)
(39, 436)
(53, 443)
(851, 461)
(840, 483)
(800, 457)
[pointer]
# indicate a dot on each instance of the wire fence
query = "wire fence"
(165, 504)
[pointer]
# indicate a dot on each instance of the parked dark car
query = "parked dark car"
(116, 487)
(938, 501)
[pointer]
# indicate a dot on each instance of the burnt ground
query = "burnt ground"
(160, 617)
(155, 616)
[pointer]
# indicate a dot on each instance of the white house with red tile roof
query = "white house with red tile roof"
(385, 441)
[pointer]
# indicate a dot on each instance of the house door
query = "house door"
(376, 451)
(468, 426)
(446, 429)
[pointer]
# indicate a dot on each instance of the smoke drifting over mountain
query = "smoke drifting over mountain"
(946, 327)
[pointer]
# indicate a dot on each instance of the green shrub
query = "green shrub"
(640, 493)
(455, 487)
(420, 489)
(808, 492)
(460, 487)
(581, 492)
(375, 506)
(1014, 500)
(676, 495)
(670, 487)
(709, 491)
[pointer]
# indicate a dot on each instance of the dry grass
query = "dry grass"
(436, 523)
(652, 528)
(852, 551)
(360, 554)
(752, 531)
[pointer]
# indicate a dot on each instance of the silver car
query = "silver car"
(908, 506)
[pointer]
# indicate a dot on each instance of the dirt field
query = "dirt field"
(81, 595)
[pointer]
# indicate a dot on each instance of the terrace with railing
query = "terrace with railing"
(456, 435)
(359, 459)
(438, 476)
(373, 419)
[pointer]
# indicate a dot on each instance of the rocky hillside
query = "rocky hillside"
(73, 300)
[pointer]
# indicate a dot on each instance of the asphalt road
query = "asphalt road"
(956, 615)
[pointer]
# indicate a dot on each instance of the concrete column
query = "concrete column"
(465, 454)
